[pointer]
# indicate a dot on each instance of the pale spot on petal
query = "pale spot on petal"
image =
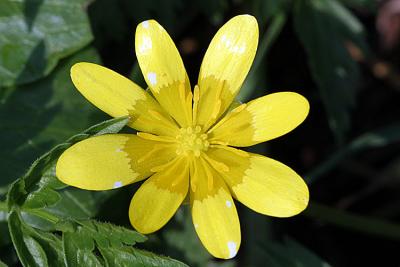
(145, 45)
(228, 204)
(196, 225)
(232, 249)
(152, 78)
(117, 184)
(145, 24)
(118, 150)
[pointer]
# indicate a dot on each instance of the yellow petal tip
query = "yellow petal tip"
(232, 248)
(246, 17)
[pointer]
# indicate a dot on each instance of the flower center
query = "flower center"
(191, 140)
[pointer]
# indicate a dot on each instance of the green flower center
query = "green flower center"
(191, 140)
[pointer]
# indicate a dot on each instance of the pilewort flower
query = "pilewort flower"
(186, 141)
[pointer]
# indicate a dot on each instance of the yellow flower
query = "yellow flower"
(186, 141)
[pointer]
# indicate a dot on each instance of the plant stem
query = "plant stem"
(359, 223)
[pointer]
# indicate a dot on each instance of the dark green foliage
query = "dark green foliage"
(87, 243)
(324, 28)
(290, 253)
(36, 117)
(36, 34)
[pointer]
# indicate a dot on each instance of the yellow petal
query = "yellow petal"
(118, 96)
(163, 70)
(159, 197)
(225, 66)
(262, 119)
(262, 184)
(214, 214)
(111, 161)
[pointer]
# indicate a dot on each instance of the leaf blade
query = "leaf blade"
(36, 35)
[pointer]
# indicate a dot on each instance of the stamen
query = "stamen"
(164, 166)
(217, 165)
(238, 152)
(219, 92)
(227, 135)
(153, 137)
(218, 142)
(162, 120)
(155, 114)
(216, 110)
(189, 101)
(194, 177)
(181, 89)
(191, 141)
(184, 101)
(209, 175)
(217, 106)
(155, 149)
(196, 98)
(230, 115)
(182, 174)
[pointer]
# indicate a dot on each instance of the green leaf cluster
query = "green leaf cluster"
(36, 34)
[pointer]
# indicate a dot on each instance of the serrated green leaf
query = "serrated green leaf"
(44, 195)
(129, 256)
(80, 244)
(20, 189)
(107, 127)
(50, 243)
(78, 248)
(37, 219)
(114, 244)
(324, 27)
(77, 203)
(36, 34)
(36, 251)
(45, 248)
(35, 118)
(108, 235)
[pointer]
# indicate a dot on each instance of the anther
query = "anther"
(191, 140)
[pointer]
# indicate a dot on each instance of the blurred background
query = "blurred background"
(342, 55)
